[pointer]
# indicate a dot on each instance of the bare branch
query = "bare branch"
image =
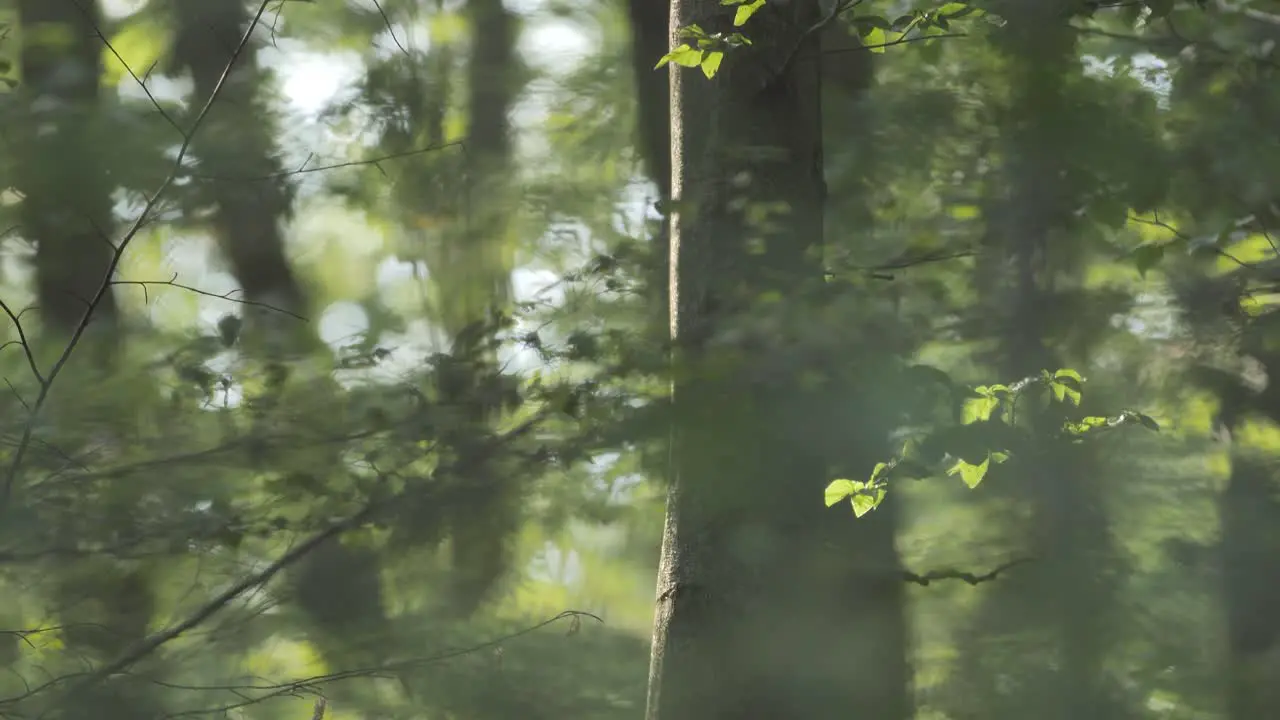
(968, 577)
(309, 685)
(19, 455)
(22, 341)
(334, 166)
(172, 282)
(154, 642)
(141, 83)
(904, 40)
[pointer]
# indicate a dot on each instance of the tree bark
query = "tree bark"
(66, 208)
(769, 605)
(649, 42)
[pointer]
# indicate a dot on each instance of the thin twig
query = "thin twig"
(22, 340)
(11, 475)
(172, 282)
(334, 166)
(215, 605)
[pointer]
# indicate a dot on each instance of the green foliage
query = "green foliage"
(986, 413)
(1089, 189)
(745, 9)
(707, 49)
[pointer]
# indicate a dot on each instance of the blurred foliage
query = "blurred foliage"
(374, 477)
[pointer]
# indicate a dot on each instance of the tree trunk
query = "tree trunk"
(66, 207)
(769, 605)
(649, 35)
(1057, 606)
(235, 148)
(473, 277)
(1250, 559)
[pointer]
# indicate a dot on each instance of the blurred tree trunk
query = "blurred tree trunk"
(1249, 508)
(66, 207)
(235, 147)
(66, 211)
(1057, 606)
(1231, 110)
(769, 605)
(473, 279)
(1250, 561)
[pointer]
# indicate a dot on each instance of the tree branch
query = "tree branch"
(24, 443)
(968, 577)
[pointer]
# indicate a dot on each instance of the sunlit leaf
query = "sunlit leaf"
(875, 40)
(1068, 373)
(867, 500)
(969, 473)
(682, 55)
(978, 409)
(745, 11)
(711, 63)
(139, 44)
(838, 490)
(879, 469)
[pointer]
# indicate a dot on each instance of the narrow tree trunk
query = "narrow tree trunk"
(768, 606)
(236, 148)
(66, 207)
(1056, 607)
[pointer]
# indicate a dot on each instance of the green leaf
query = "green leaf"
(866, 501)
(141, 43)
(681, 55)
(875, 474)
(998, 456)
(1146, 257)
(875, 40)
(957, 10)
(745, 12)
(978, 409)
(1069, 374)
(711, 63)
(1159, 8)
(971, 474)
(1063, 392)
(839, 490)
